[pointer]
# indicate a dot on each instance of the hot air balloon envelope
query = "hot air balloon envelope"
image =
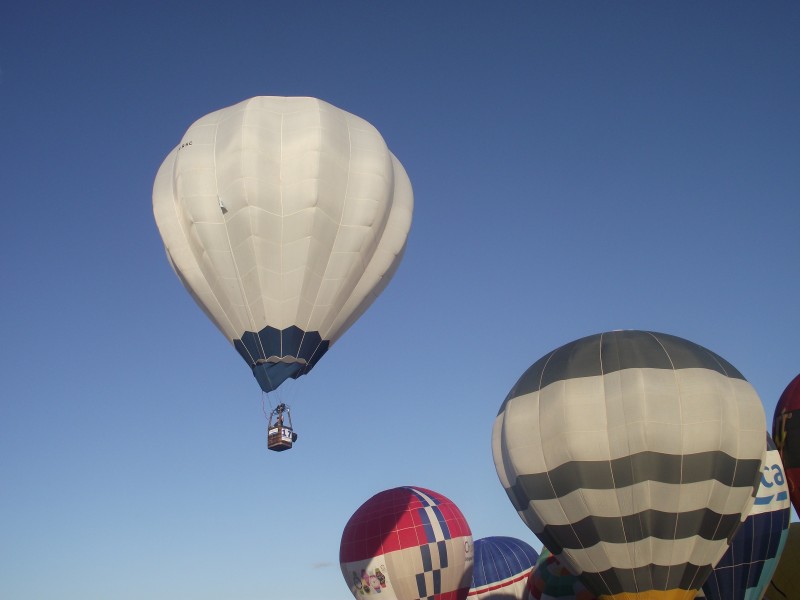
(407, 543)
(501, 568)
(785, 584)
(550, 580)
(632, 455)
(284, 218)
(746, 568)
(786, 433)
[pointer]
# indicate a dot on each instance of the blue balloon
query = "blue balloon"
(746, 568)
(501, 569)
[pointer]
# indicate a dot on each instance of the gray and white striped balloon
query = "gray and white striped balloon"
(633, 456)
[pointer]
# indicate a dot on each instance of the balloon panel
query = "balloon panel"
(786, 432)
(284, 218)
(633, 455)
(501, 568)
(414, 542)
(745, 570)
(785, 584)
(550, 580)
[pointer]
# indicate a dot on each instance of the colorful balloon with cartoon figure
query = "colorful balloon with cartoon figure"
(413, 541)
(786, 433)
(550, 580)
(501, 568)
(633, 456)
(746, 568)
(284, 218)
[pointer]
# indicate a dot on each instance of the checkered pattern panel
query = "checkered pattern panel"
(441, 513)
(434, 559)
(400, 518)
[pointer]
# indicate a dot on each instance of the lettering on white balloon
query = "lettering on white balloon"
(771, 476)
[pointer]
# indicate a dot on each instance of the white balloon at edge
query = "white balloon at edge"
(284, 218)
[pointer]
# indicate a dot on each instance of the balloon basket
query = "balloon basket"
(280, 438)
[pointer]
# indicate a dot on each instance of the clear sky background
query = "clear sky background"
(577, 167)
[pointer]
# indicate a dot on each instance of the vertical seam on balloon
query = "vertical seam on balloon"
(178, 212)
(341, 217)
(610, 463)
(416, 529)
(680, 484)
(742, 517)
(618, 374)
(649, 484)
(230, 246)
(305, 327)
(530, 506)
(251, 212)
(349, 320)
(214, 170)
(256, 330)
(748, 567)
(508, 572)
(541, 448)
(547, 469)
(280, 239)
(730, 385)
(483, 567)
(310, 360)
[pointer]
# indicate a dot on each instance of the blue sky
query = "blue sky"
(577, 167)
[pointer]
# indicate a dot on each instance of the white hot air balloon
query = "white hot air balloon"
(284, 218)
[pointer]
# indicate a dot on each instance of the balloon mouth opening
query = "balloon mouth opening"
(270, 375)
(281, 359)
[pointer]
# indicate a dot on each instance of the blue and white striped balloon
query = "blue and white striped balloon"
(501, 568)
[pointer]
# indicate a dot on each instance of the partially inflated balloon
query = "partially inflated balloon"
(746, 568)
(786, 433)
(633, 456)
(501, 568)
(785, 584)
(284, 218)
(550, 580)
(407, 543)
